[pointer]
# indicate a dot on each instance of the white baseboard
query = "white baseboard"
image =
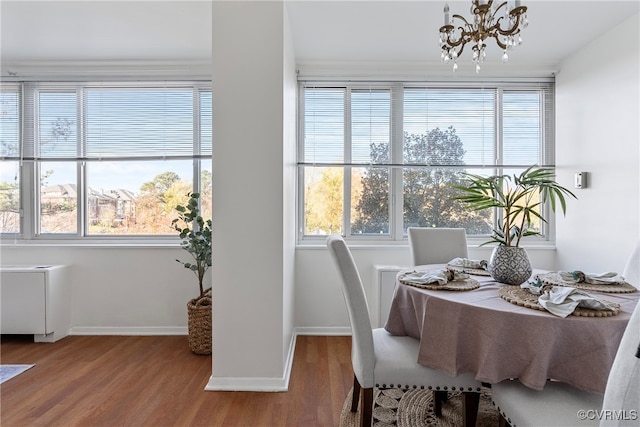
(247, 384)
(328, 331)
(256, 384)
(129, 330)
(271, 384)
(182, 330)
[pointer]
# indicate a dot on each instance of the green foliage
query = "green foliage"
(160, 183)
(428, 195)
(520, 200)
(195, 233)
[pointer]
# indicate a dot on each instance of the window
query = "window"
(377, 158)
(103, 159)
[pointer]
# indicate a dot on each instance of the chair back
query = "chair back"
(362, 356)
(437, 245)
(622, 395)
(632, 269)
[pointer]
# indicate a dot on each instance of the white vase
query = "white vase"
(510, 265)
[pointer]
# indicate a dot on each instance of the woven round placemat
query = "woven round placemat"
(519, 296)
(617, 288)
(456, 285)
(472, 271)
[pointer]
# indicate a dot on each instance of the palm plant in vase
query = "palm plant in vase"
(519, 199)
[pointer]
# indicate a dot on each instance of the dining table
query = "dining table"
(496, 338)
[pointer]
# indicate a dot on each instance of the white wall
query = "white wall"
(597, 131)
(289, 187)
(119, 290)
(320, 307)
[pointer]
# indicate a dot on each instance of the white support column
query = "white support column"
(251, 335)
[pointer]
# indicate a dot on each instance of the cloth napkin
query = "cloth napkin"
(468, 263)
(441, 277)
(563, 300)
(577, 276)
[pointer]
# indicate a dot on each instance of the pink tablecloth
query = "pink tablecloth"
(477, 331)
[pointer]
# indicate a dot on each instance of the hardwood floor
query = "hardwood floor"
(156, 381)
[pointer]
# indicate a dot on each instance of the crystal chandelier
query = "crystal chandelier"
(502, 23)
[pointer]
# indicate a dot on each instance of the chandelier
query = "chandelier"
(502, 23)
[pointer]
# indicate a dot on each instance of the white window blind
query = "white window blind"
(99, 122)
(471, 113)
(9, 121)
(324, 125)
(370, 126)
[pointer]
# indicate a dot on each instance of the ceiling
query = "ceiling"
(385, 33)
(406, 32)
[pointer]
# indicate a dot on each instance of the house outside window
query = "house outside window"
(375, 158)
(94, 160)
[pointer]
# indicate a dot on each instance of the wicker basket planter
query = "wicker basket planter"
(199, 310)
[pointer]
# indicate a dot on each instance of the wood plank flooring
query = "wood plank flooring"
(157, 382)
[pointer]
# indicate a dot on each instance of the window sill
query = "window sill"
(90, 243)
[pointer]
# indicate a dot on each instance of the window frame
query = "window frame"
(397, 236)
(29, 169)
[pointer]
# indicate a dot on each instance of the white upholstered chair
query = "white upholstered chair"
(383, 360)
(632, 270)
(437, 245)
(562, 405)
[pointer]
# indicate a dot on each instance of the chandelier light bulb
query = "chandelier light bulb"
(488, 21)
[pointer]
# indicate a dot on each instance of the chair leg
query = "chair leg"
(356, 395)
(366, 409)
(439, 396)
(470, 405)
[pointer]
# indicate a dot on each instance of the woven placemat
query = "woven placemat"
(617, 288)
(455, 285)
(519, 296)
(472, 271)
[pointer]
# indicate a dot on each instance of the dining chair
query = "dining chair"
(432, 245)
(559, 404)
(631, 271)
(383, 360)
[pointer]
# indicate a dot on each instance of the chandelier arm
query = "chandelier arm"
(498, 42)
(464, 38)
(499, 7)
(462, 18)
(515, 29)
(510, 32)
